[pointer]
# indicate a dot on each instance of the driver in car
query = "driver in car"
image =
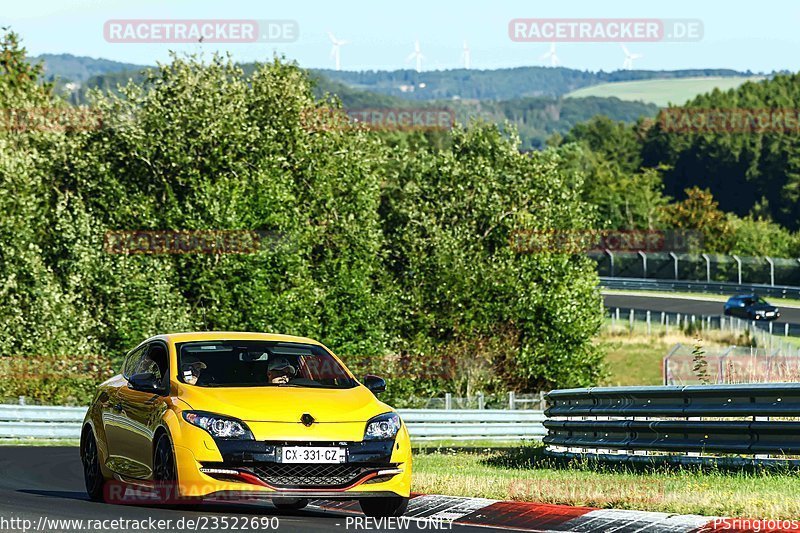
(280, 371)
(191, 372)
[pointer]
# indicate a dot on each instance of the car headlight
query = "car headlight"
(383, 426)
(218, 426)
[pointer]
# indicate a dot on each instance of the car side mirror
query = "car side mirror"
(144, 382)
(374, 383)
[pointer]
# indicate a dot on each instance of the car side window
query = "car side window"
(132, 362)
(154, 362)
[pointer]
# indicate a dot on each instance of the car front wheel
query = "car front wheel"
(384, 507)
(92, 475)
(164, 472)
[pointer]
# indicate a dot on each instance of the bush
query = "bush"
(396, 255)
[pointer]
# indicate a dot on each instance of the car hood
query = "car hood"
(285, 404)
(763, 307)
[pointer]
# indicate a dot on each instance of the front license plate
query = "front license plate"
(308, 454)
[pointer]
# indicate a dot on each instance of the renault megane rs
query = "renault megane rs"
(274, 416)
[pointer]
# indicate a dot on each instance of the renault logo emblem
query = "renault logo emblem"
(307, 419)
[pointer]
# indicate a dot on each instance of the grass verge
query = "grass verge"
(525, 474)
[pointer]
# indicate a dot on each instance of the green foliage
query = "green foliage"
(394, 252)
(740, 168)
(625, 196)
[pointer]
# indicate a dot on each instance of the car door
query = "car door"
(142, 412)
(111, 412)
(739, 308)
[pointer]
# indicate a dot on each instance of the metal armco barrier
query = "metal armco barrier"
(46, 422)
(43, 422)
(671, 419)
(477, 424)
(662, 285)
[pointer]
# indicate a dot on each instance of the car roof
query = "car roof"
(230, 335)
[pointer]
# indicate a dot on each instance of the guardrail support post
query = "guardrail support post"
(738, 267)
(481, 402)
(511, 400)
(448, 401)
(644, 263)
(786, 330)
(611, 260)
(771, 270)
(22, 400)
(648, 323)
(674, 257)
(631, 321)
(708, 267)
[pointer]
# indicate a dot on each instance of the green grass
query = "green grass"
(525, 474)
(662, 91)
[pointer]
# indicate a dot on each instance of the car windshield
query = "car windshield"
(260, 364)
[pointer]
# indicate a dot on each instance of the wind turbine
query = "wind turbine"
(629, 57)
(337, 44)
(465, 55)
(417, 55)
(552, 55)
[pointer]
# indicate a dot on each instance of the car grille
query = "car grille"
(311, 475)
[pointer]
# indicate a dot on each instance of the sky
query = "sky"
(759, 36)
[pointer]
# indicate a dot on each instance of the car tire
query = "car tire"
(165, 473)
(92, 474)
(384, 507)
(289, 504)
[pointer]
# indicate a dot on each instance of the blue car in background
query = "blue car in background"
(751, 307)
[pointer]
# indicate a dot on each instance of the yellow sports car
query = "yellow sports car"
(217, 415)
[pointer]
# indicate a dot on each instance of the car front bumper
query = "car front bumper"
(251, 470)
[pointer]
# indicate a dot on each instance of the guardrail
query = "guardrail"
(713, 287)
(622, 423)
(473, 424)
(46, 422)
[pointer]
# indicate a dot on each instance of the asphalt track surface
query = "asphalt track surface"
(687, 306)
(47, 482)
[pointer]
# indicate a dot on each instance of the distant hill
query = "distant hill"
(79, 68)
(500, 84)
(662, 92)
(536, 118)
(528, 97)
